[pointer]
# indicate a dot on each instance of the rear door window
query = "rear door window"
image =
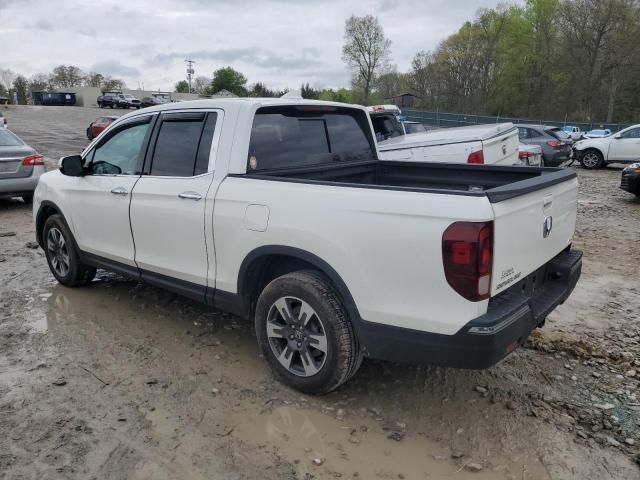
(558, 133)
(299, 136)
(183, 144)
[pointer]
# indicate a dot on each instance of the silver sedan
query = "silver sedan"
(20, 167)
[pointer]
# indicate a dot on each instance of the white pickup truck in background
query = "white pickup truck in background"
(491, 144)
(280, 211)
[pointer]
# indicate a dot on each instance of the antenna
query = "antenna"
(190, 71)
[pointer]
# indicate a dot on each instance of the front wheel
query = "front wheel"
(62, 257)
(592, 159)
(305, 333)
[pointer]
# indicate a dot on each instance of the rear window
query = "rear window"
(8, 139)
(558, 133)
(289, 137)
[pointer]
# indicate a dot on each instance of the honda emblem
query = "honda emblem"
(547, 226)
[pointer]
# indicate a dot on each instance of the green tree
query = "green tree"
(259, 89)
(366, 51)
(182, 87)
(307, 91)
(342, 95)
(21, 88)
(229, 79)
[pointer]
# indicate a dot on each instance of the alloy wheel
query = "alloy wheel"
(297, 336)
(58, 253)
(590, 160)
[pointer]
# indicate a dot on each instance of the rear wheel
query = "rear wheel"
(592, 159)
(62, 257)
(305, 333)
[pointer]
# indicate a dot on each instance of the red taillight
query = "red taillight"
(467, 255)
(33, 160)
(554, 143)
(523, 155)
(476, 157)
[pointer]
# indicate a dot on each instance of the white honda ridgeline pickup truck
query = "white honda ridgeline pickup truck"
(279, 210)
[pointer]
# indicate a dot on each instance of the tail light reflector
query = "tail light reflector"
(467, 256)
(554, 143)
(476, 157)
(33, 160)
(523, 155)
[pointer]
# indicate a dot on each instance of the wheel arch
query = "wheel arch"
(265, 263)
(46, 209)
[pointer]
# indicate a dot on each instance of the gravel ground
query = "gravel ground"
(123, 380)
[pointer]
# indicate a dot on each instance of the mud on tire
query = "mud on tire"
(298, 315)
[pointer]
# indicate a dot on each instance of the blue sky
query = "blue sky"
(280, 42)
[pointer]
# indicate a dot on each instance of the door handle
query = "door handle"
(119, 191)
(190, 196)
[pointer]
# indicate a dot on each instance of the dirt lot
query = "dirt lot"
(121, 380)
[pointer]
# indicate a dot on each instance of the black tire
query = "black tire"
(342, 357)
(77, 274)
(112, 106)
(27, 198)
(592, 159)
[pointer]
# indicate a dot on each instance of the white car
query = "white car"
(279, 211)
(480, 144)
(623, 147)
(575, 133)
(3, 121)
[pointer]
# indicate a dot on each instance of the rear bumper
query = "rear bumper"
(630, 182)
(483, 342)
(17, 186)
(557, 158)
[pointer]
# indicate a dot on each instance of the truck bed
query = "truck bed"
(497, 183)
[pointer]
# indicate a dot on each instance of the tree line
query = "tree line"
(61, 77)
(545, 59)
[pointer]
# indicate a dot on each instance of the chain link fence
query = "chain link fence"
(444, 120)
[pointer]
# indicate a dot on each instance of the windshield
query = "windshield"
(559, 134)
(414, 128)
(8, 139)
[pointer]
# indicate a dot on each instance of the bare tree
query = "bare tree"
(366, 50)
(7, 77)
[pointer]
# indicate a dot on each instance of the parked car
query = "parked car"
(20, 166)
(623, 147)
(3, 121)
(481, 144)
(530, 155)
(127, 101)
(555, 143)
(108, 99)
(279, 207)
(97, 126)
(150, 102)
(575, 133)
(630, 180)
(598, 133)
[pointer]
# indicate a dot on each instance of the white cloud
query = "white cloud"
(279, 42)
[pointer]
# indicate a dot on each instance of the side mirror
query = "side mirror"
(72, 166)
(618, 135)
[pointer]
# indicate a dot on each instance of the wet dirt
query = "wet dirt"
(123, 380)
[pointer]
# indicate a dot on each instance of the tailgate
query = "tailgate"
(531, 229)
(502, 149)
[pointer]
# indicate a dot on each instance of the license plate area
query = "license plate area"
(9, 167)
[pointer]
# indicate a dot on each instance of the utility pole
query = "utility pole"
(190, 71)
